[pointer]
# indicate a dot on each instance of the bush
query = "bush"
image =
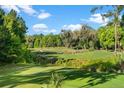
(101, 65)
(40, 59)
(56, 80)
(110, 64)
(27, 57)
(74, 63)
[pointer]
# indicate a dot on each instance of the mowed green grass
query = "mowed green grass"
(84, 54)
(31, 76)
(34, 76)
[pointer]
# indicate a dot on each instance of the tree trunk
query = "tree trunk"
(115, 37)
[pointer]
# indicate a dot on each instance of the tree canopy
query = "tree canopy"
(12, 36)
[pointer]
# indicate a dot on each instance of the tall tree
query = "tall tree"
(12, 36)
(114, 14)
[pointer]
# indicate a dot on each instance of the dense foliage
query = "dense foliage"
(83, 39)
(114, 15)
(107, 40)
(38, 41)
(12, 37)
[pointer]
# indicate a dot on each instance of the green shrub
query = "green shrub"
(56, 80)
(40, 59)
(110, 64)
(75, 63)
(103, 65)
(28, 57)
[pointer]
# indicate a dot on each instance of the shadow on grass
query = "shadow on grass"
(45, 52)
(95, 77)
(13, 80)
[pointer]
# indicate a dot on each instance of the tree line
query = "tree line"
(38, 41)
(85, 38)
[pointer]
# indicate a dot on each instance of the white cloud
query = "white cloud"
(72, 27)
(52, 31)
(44, 15)
(9, 7)
(40, 27)
(25, 8)
(97, 18)
(28, 10)
(43, 28)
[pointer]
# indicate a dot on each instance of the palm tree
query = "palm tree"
(114, 13)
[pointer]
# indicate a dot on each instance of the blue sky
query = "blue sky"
(51, 19)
